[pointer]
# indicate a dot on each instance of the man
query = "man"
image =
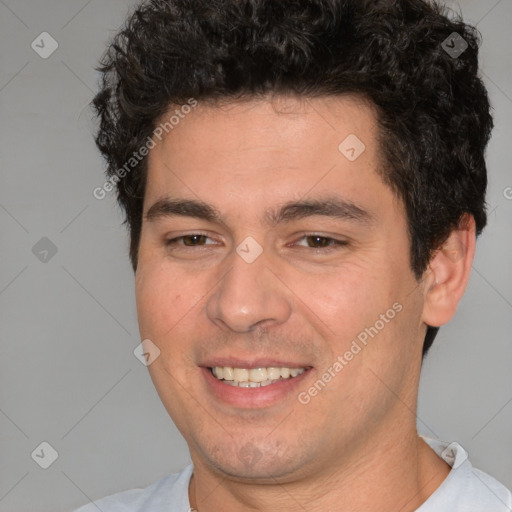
(303, 182)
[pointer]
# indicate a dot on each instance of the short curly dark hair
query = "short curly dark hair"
(433, 110)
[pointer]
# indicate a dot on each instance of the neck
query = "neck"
(389, 473)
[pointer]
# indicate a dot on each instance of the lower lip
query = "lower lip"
(250, 398)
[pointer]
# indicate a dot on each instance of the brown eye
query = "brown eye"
(192, 240)
(319, 242)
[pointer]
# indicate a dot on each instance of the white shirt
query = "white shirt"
(465, 489)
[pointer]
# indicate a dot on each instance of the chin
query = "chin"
(258, 463)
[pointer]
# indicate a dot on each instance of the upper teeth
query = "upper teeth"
(254, 377)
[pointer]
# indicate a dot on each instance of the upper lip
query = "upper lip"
(249, 363)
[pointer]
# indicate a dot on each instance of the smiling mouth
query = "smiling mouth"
(254, 377)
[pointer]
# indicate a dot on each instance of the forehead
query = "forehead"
(267, 150)
(282, 123)
(280, 127)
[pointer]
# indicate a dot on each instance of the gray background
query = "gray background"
(68, 375)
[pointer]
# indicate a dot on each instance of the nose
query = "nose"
(249, 295)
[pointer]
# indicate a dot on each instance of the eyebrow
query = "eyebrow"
(334, 207)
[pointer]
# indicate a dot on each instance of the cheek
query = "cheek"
(345, 301)
(159, 300)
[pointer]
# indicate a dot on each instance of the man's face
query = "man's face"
(333, 263)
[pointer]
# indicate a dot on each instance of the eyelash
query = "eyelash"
(332, 242)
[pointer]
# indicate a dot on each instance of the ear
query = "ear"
(448, 274)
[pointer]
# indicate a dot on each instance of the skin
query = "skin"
(354, 446)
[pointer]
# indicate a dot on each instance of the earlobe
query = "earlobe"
(448, 274)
